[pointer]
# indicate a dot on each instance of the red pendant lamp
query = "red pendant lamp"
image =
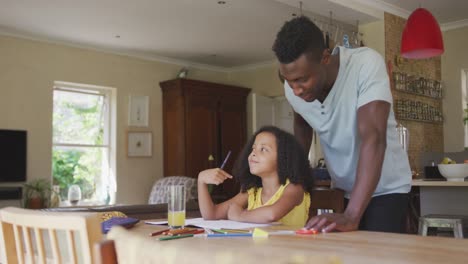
(421, 37)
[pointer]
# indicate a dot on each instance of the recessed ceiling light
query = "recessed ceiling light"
(117, 36)
(221, 2)
(293, 14)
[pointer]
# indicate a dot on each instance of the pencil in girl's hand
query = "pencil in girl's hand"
(225, 160)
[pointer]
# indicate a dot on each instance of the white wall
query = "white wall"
(454, 59)
(28, 70)
(374, 36)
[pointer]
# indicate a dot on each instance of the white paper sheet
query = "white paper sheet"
(214, 224)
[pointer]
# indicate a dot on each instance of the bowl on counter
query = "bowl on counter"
(454, 172)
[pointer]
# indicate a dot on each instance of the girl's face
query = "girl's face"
(263, 158)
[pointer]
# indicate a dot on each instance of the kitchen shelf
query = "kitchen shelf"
(413, 84)
(421, 120)
(419, 94)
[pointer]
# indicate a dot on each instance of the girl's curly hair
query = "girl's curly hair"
(292, 163)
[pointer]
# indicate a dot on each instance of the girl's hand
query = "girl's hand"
(234, 212)
(213, 176)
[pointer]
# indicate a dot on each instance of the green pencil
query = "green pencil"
(227, 230)
(174, 237)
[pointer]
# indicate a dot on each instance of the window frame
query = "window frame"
(109, 137)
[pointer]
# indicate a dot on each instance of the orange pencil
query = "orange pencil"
(184, 231)
(159, 232)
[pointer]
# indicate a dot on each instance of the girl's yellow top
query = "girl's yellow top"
(297, 216)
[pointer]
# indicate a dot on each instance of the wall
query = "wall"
(28, 70)
(262, 80)
(454, 59)
(374, 36)
(423, 136)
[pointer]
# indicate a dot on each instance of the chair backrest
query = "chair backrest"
(104, 252)
(326, 198)
(30, 236)
(159, 191)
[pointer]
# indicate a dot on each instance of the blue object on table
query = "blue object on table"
(126, 222)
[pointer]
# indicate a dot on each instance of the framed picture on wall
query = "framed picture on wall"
(139, 144)
(138, 110)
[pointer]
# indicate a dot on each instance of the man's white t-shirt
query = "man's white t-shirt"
(362, 78)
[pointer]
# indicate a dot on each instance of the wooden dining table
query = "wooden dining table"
(337, 247)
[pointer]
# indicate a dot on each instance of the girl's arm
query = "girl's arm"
(292, 196)
(208, 209)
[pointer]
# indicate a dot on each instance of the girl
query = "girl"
(275, 182)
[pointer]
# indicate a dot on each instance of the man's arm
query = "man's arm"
(372, 128)
(302, 132)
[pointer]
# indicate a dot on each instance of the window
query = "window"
(83, 141)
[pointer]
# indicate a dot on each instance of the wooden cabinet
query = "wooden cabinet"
(202, 122)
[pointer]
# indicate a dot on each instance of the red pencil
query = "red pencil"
(159, 232)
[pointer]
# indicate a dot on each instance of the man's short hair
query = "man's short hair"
(298, 36)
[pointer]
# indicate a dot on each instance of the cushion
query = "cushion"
(159, 192)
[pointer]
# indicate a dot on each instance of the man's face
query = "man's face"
(305, 76)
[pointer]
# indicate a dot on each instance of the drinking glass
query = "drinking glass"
(74, 194)
(176, 206)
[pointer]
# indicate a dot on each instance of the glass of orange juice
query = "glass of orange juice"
(176, 206)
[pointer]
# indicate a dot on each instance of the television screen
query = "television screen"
(13, 145)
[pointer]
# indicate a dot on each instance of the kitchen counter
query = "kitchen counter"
(442, 197)
(442, 183)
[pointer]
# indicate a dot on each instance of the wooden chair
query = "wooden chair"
(30, 236)
(104, 252)
(326, 198)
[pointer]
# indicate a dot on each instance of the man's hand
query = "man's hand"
(213, 176)
(329, 222)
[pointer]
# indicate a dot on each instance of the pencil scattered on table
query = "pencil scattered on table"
(229, 235)
(160, 232)
(175, 237)
(170, 234)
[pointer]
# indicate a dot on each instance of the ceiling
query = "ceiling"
(197, 33)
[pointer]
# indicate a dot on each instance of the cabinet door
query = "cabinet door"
(232, 120)
(201, 133)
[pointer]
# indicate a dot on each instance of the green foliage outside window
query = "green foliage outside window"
(66, 169)
(77, 119)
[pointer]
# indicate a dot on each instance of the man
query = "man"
(345, 97)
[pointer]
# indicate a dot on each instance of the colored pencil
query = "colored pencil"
(159, 232)
(183, 231)
(230, 235)
(225, 160)
(234, 230)
(208, 231)
(175, 237)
